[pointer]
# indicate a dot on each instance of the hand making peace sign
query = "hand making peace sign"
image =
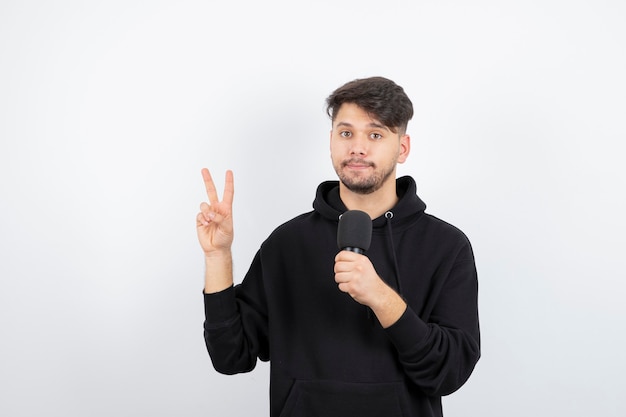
(214, 223)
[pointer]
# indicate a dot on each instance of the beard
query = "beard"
(361, 183)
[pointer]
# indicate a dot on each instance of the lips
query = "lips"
(357, 164)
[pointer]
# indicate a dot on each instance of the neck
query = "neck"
(374, 204)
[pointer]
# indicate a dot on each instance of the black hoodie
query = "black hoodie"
(329, 355)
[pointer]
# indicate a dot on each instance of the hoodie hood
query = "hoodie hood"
(328, 203)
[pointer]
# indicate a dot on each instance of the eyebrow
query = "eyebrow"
(373, 124)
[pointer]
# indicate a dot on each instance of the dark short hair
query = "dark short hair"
(380, 97)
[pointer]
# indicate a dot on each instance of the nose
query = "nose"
(358, 146)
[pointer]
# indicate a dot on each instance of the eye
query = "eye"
(345, 134)
(376, 136)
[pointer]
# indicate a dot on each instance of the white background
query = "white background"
(108, 111)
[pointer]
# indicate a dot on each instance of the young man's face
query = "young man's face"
(364, 152)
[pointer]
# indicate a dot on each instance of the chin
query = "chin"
(361, 187)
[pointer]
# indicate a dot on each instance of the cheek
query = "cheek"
(335, 158)
(335, 149)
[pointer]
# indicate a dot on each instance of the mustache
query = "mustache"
(357, 161)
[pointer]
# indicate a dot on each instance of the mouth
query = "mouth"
(357, 164)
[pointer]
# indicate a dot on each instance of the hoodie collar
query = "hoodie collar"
(328, 203)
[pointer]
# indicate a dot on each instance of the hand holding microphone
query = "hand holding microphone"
(354, 272)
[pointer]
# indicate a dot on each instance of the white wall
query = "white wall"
(108, 111)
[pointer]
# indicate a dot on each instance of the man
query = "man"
(385, 333)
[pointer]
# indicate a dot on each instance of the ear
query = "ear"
(405, 148)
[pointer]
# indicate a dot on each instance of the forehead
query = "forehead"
(350, 114)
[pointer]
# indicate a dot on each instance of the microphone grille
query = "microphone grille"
(355, 230)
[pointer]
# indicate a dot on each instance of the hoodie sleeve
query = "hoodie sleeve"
(235, 326)
(439, 353)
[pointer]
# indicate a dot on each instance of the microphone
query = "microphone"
(355, 231)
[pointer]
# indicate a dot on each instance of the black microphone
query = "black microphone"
(355, 231)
